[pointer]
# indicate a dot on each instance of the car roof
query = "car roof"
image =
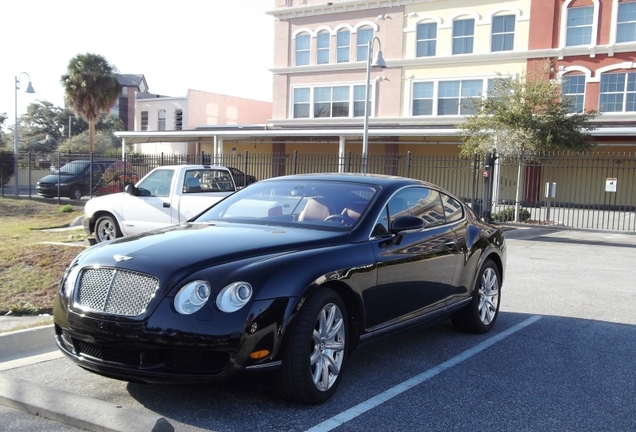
(371, 179)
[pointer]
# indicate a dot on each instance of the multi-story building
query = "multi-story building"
(438, 54)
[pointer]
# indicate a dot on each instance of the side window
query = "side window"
(158, 183)
(418, 201)
(452, 209)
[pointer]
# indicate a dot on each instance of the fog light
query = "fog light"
(256, 355)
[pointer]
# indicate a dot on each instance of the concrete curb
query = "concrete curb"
(75, 410)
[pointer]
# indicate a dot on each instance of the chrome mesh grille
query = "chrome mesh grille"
(118, 292)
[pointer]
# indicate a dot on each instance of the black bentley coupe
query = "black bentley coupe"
(289, 274)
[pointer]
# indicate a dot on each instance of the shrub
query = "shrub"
(6, 160)
(66, 208)
(508, 215)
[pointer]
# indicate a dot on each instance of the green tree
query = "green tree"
(3, 137)
(103, 143)
(525, 115)
(41, 120)
(90, 88)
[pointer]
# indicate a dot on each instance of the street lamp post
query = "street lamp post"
(16, 152)
(378, 62)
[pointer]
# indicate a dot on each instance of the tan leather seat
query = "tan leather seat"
(316, 209)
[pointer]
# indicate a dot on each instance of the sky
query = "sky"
(218, 46)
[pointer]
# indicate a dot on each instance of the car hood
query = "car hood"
(192, 246)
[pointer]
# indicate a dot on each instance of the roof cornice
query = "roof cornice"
(334, 7)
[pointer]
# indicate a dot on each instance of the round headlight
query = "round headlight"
(234, 296)
(192, 297)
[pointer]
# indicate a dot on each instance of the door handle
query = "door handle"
(450, 244)
(166, 205)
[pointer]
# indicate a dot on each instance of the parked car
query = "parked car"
(240, 178)
(290, 274)
(74, 179)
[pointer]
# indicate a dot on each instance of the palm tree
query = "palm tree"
(90, 88)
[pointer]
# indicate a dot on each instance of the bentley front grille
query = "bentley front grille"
(117, 292)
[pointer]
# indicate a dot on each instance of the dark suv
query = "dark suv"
(74, 178)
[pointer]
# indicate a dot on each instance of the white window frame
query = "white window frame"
(626, 22)
(503, 33)
(564, 23)
(575, 95)
(435, 100)
(321, 49)
(463, 37)
(362, 44)
(343, 49)
(302, 53)
(353, 101)
(427, 41)
(161, 120)
(624, 92)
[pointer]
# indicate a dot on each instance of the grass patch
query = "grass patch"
(29, 270)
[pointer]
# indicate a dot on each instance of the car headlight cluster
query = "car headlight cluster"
(196, 294)
(70, 280)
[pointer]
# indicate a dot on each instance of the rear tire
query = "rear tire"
(106, 229)
(482, 312)
(316, 350)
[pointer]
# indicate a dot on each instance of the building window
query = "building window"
(301, 102)
(626, 28)
(329, 102)
(178, 119)
(423, 98)
(454, 96)
(618, 92)
(573, 89)
(161, 120)
(443, 98)
(503, 33)
(463, 34)
(302, 49)
(144, 120)
(426, 36)
(365, 35)
(579, 26)
(322, 45)
(343, 42)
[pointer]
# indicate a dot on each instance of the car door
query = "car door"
(416, 268)
(152, 207)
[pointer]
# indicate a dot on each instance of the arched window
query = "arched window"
(343, 44)
(302, 49)
(322, 45)
(573, 89)
(626, 22)
(503, 33)
(426, 39)
(463, 36)
(579, 24)
(364, 36)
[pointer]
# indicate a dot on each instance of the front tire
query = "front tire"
(480, 315)
(106, 229)
(316, 350)
(75, 193)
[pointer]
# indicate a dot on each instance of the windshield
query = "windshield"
(72, 168)
(302, 203)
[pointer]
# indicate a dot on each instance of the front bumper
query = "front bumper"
(170, 348)
(86, 224)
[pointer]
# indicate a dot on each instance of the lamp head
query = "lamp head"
(378, 61)
(29, 88)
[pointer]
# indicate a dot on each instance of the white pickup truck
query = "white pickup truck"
(167, 195)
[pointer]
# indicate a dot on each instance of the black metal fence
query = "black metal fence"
(591, 190)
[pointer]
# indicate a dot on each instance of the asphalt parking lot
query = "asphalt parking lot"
(559, 358)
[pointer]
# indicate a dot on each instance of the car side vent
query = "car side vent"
(117, 292)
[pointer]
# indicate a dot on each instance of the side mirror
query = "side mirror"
(130, 189)
(406, 223)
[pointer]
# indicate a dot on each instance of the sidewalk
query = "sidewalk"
(9, 323)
